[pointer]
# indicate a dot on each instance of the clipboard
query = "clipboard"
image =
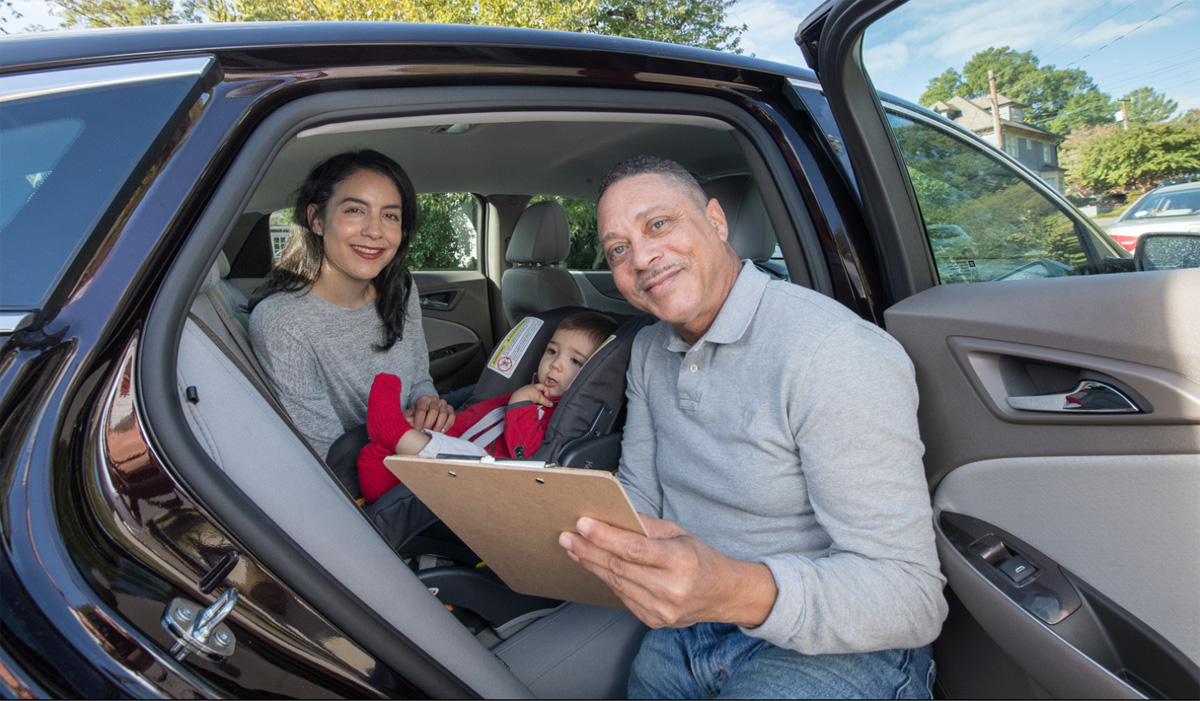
(512, 515)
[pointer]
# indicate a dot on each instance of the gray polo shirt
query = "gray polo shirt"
(788, 435)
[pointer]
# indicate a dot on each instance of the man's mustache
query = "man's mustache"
(653, 274)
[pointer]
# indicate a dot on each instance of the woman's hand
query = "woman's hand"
(535, 393)
(429, 412)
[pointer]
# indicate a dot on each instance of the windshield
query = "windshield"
(1172, 203)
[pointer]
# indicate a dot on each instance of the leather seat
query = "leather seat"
(536, 283)
(750, 231)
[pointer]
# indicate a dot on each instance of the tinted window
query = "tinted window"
(983, 220)
(66, 156)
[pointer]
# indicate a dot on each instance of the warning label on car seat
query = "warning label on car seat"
(508, 354)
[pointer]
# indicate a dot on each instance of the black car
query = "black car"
(167, 533)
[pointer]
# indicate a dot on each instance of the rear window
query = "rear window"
(66, 157)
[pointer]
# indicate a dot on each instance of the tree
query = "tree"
(1058, 99)
(1145, 106)
(1109, 159)
(690, 22)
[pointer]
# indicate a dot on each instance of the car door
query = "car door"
(1060, 413)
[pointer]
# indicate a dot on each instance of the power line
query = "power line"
(1086, 31)
(1144, 66)
(1131, 31)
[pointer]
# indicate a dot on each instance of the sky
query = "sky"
(1122, 44)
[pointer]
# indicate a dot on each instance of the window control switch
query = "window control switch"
(1018, 569)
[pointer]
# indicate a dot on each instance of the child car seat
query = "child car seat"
(580, 434)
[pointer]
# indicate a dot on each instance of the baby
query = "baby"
(508, 426)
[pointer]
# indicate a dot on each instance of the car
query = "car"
(1171, 208)
(167, 533)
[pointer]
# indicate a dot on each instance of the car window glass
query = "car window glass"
(983, 221)
(1172, 203)
(66, 156)
(585, 251)
(447, 232)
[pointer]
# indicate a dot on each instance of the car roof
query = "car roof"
(1175, 188)
(45, 49)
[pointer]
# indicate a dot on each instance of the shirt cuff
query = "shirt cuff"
(788, 614)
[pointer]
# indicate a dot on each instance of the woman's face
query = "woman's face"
(361, 229)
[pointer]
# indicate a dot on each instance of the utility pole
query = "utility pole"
(1125, 113)
(995, 109)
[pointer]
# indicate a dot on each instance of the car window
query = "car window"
(1171, 203)
(66, 156)
(983, 221)
(447, 232)
(585, 251)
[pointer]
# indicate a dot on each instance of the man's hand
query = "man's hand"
(672, 579)
(430, 412)
(535, 393)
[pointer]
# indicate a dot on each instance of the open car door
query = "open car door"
(1060, 406)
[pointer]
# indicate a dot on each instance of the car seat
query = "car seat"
(535, 283)
(584, 432)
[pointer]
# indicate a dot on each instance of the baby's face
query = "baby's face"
(565, 355)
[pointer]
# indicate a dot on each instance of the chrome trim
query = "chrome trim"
(11, 321)
(27, 85)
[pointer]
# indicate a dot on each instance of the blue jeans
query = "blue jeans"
(716, 660)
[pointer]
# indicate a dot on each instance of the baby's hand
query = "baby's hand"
(535, 393)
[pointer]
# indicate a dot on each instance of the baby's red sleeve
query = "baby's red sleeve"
(524, 429)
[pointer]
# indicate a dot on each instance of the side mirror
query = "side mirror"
(1167, 251)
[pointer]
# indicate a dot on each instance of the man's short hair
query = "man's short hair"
(647, 165)
(594, 325)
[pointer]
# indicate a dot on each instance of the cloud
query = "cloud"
(771, 28)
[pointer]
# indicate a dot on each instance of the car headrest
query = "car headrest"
(541, 235)
(218, 272)
(750, 231)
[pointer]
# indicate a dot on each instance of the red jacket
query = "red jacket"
(524, 427)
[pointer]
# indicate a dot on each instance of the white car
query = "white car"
(1170, 209)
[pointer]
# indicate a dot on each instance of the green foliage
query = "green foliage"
(689, 22)
(124, 13)
(446, 237)
(1008, 221)
(1110, 159)
(1059, 99)
(1145, 106)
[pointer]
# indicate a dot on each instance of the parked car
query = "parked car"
(1166, 209)
(166, 532)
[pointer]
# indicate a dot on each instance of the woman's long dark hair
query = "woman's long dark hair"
(300, 260)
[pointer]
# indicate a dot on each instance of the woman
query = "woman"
(340, 306)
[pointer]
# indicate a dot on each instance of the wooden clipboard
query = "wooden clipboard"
(511, 516)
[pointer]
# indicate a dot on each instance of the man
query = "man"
(772, 443)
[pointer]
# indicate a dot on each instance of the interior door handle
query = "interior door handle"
(1090, 397)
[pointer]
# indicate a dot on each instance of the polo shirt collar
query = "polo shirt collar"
(736, 313)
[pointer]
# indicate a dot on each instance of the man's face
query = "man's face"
(668, 253)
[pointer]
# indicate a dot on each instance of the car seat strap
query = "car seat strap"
(486, 429)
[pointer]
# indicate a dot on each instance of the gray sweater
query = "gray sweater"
(788, 435)
(320, 360)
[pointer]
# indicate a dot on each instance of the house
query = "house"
(1034, 147)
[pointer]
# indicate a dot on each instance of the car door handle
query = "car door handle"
(1090, 397)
